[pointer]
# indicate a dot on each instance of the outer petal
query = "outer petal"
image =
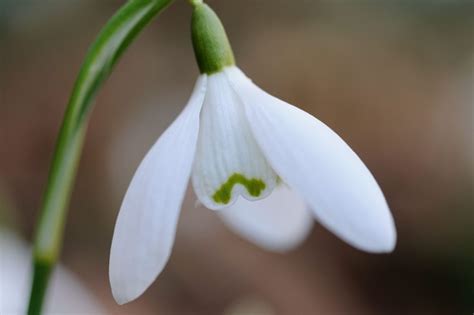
(317, 163)
(146, 225)
(278, 223)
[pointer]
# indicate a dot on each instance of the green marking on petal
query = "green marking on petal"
(254, 187)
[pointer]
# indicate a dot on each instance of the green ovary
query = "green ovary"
(254, 187)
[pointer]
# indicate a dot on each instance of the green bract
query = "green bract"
(211, 45)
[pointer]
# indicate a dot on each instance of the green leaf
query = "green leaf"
(115, 37)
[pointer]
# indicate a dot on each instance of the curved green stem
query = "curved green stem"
(109, 45)
(195, 2)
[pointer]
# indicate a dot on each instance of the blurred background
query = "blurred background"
(394, 78)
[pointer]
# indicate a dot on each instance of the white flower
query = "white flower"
(235, 141)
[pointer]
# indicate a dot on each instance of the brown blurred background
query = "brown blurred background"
(394, 78)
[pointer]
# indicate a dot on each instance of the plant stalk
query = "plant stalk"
(115, 37)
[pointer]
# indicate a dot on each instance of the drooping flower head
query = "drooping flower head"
(265, 165)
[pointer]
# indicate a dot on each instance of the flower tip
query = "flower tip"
(120, 300)
(122, 295)
(390, 243)
(125, 289)
(389, 238)
(285, 247)
(384, 243)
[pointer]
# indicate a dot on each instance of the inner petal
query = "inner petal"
(228, 161)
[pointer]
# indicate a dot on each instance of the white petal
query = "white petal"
(317, 163)
(278, 223)
(228, 161)
(146, 225)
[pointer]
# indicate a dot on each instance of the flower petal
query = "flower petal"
(146, 225)
(228, 161)
(313, 160)
(277, 223)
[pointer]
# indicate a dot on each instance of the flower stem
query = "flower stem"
(115, 37)
(195, 2)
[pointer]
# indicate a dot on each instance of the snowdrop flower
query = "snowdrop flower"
(254, 157)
